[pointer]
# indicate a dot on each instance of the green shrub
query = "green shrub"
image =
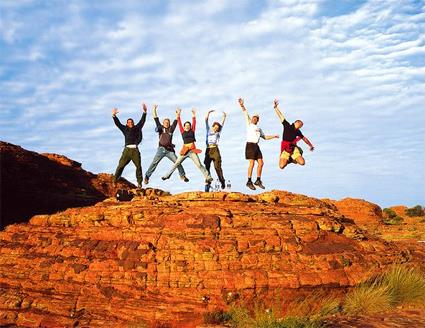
(415, 211)
(367, 299)
(391, 217)
(405, 285)
(399, 285)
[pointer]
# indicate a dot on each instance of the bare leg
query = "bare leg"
(300, 160)
(283, 162)
(250, 167)
(260, 167)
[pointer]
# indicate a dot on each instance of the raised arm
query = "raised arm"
(308, 143)
(268, 137)
(207, 117)
(116, 120)
(193, 119)
(278, 112)
(224, 119)
(143, 119)
(156, 118)
(179, 121)
(247, 118)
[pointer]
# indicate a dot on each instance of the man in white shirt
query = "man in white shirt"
(252, 150)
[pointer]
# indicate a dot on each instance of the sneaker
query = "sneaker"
(223, 185)
(250, 185)
(146, 181)
(139, 186)
(207, 187)
(184, 178)
(165, 178)
(259, 184)
(209, 180)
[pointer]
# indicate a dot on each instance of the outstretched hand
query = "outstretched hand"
(145, 108)
(241, 103)
(276, 103)
(224, 114)
(114, 111)
(312, 148)
(178, 112)
(194, 112)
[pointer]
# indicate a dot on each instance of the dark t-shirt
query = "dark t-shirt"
(289, 132)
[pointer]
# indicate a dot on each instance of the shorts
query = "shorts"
(296, 153)
(252, 151)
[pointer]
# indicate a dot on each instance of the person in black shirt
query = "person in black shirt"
(165, 147)
(289, 151)
(133, 136)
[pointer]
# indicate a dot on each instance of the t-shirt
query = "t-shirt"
(165, 135)
(289, 132)
(254, 133)
(212, 137)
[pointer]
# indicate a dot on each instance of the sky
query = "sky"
(353, 71)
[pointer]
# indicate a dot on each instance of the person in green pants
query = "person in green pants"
(133, 136)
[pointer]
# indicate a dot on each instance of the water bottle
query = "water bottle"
(228, 186)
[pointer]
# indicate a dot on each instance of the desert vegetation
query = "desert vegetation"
(399, 286)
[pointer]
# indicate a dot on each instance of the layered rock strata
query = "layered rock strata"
(166, 260)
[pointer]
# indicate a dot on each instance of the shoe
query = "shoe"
(146, 181)
(165, 178)
(209, 180)
(250, 185)
(223, 185)
(139, 186)
(207, 188)
(259, 184)
(184, 178)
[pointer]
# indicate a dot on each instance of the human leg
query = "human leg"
(283, 159)
(124, 160)
(157, 158)
(172, 157)
(207, 160)
(176, 164)
(135, 157)
(195, 158)
(216, 157)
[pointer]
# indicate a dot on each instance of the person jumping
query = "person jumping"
(289, 151)
(133, 136)
(212, 153)
(165, 147)
(189, 149)
(252, 150)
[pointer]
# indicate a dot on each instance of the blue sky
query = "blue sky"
(353, 71)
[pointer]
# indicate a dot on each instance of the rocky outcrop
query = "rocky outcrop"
(163, 260)
(33, 183)
(365, 214)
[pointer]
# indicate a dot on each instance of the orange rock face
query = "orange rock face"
(363, 213)
(32, 183)
(162, 259)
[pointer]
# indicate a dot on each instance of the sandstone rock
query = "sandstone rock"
(166, 260)
(39, 184)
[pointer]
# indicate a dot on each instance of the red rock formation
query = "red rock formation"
(169, 259)
(364, 213)
(32, 184)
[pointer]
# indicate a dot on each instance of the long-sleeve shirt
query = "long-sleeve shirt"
(165, 134)
(133, 136)
(212, 137)
(188, 136)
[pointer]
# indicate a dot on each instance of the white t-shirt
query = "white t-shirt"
(254, 133)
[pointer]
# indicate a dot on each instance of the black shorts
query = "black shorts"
(252, 151)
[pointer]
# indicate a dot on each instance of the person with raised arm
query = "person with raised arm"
(132, 136)
(289, 151)
(212, 153)
(189, 148)
(252, 149)
(165, 147)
